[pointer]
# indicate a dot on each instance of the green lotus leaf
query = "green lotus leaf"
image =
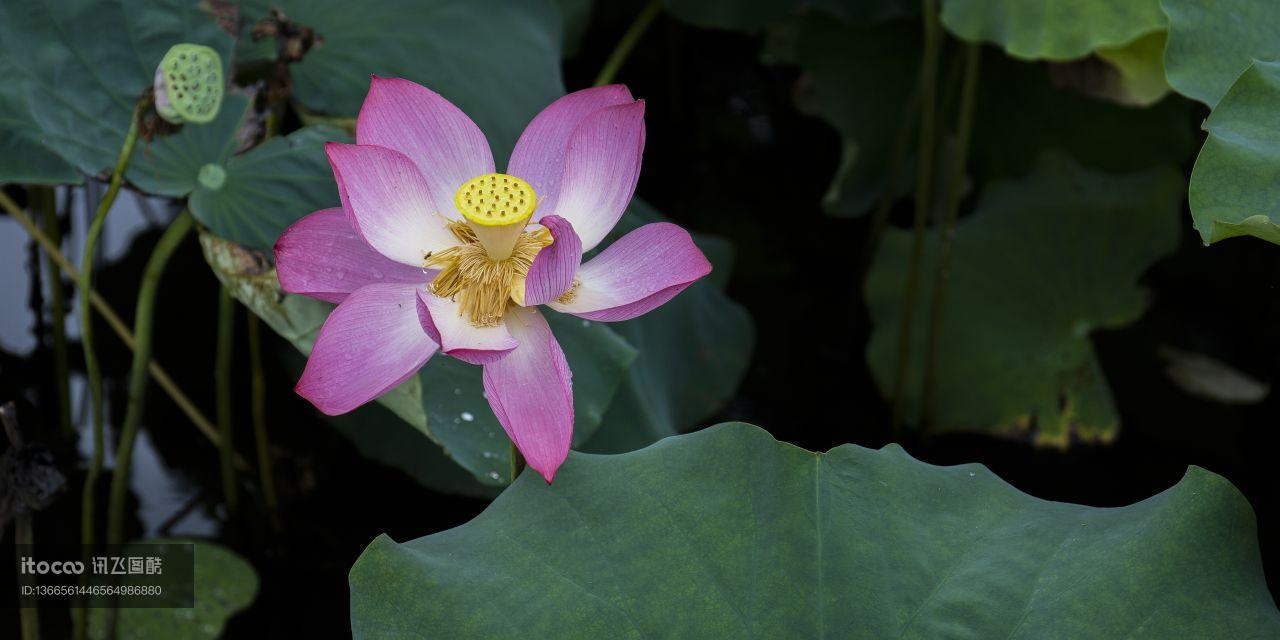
(727, 533)
(1235, 186)
(497, 61)
(1212, 43)
(1040, 263)
(1052, 29)
(74, 71)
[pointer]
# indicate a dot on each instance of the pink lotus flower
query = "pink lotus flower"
(431, 250)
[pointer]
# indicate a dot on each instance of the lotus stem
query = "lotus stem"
(258, 407)
(92, 369)
(622, 50)
(164, 249)
(964, 131)
(924, 199)
(222, 391)
(46, 201)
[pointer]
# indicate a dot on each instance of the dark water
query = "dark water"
(727, 154)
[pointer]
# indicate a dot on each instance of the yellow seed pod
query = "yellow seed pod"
(495, 200)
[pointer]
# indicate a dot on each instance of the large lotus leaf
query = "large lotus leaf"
(1212, 43)
(1235, 186)
(693, 352)
(727, 533)
(498, 61)
(23, 158)
(81, 66)
(225, 584)
(1052, 29)
(1039, 264)
(445, 401)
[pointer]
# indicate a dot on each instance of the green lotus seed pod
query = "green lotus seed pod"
(188, 84)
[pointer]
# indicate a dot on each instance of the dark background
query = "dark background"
(728, 154)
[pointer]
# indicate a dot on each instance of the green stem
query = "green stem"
(47, 203)
(628, 42)
(164, 249)
(109, 315)
(258, 406)
(222, 391)
(924, 199)
(91, 367)
(964, 131)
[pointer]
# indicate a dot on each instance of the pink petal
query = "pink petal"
(552, 271)
(442, 141)
(540, 153)
(368, 345)
(601, 167)
(636, 274)
(387, 202)
(321, 256)
(531, 392)
(442, 319)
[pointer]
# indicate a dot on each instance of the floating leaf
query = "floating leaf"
(1039, 264)
(225, 584)
(728, 533)
(1052, 29)
(82, 66)
(1212, 43)
(498, 61)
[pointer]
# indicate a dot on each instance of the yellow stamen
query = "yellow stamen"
(485, 287)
